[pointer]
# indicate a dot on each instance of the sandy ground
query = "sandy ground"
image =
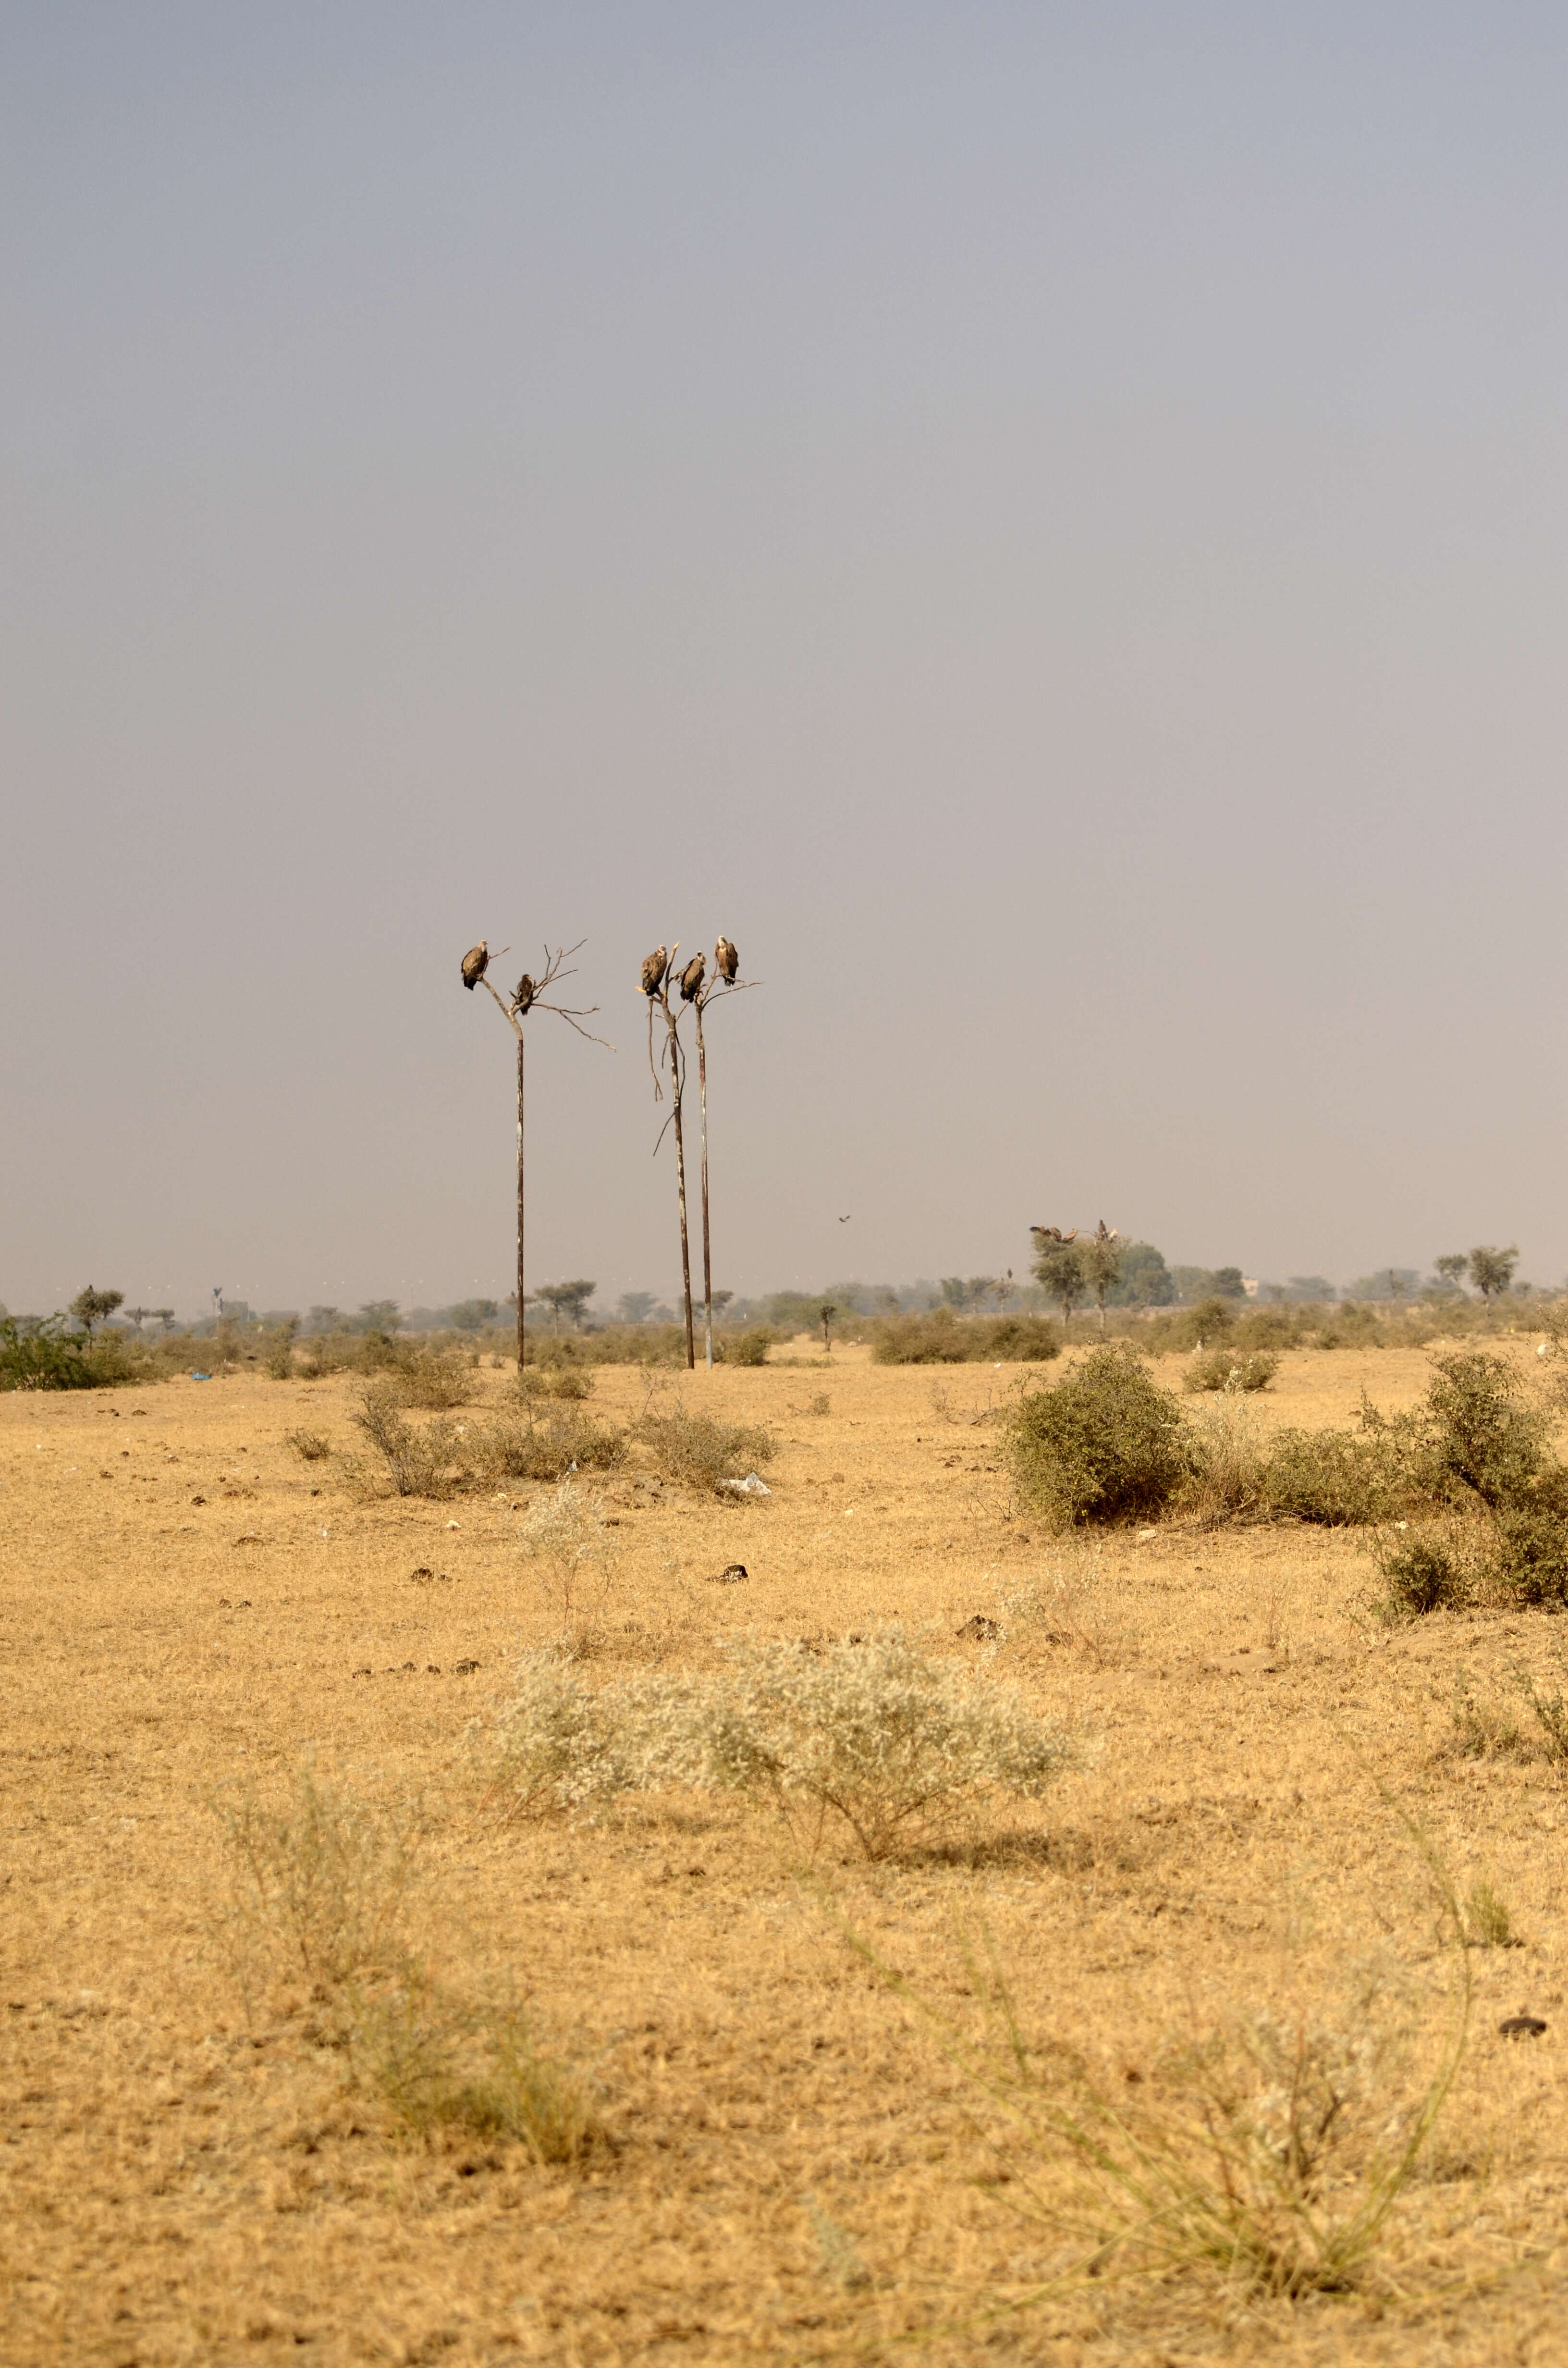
(186, 1611)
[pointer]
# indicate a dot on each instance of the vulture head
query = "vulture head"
(475, 963)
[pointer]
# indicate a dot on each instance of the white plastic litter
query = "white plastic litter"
(750, 1487)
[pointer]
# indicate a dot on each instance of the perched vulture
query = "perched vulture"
(654, 970)
(476, 961)
(1107, 1234)
(1052, 1234)
(726, 961)
(523, 994)
(691, 978)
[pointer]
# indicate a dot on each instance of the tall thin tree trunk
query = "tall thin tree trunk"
(522, 1335)
(680, 1189)
(707, 1255)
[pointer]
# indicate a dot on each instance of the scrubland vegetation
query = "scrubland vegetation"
(1072, 1869)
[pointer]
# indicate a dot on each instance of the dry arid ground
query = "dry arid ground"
(192, 1615)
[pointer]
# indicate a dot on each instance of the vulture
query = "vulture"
(654, 970)
(1052, 1234)
(476, 961)
(726, 961)
(1107, 1234)
(691, 978)
(523, 994)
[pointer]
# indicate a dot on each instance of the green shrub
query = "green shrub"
(1231, 1369)
(697, 1451)
(1331, 1476)
(1527, 1561)
(1106, 1444)
(47, 1357)
(943, 1339)
(748, 1348)
(1476, 1431)
(1422, 1573)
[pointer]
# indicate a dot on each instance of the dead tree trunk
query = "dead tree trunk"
(522, 1296)
(707, 1251)
(677, 1073)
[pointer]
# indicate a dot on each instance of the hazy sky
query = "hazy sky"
(1045, 523)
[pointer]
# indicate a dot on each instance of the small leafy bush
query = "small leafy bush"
(1422, 1573)
(1527, 1563)
(434, 1381)
(942, 1338)
(1479, 1433)
(564, 1440)
(749, 1347)
(1106, 1443)
(1232, 1370)
(417, 1461)
(309, 1446)
(572, 1383)
(1332, 1477)
(697, 1451)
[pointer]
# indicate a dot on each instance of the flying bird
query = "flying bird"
(523, 994)
(691, 978)
(476, 961)
(654, 970)
(1054, 1233)
(726, 961)
(844, 1221)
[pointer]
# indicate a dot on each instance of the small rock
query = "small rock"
(1522, 2026)
(464, 1668)
(732, 1574)
(750, 1487)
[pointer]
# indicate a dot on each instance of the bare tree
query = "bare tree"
(657, 971)
(525, 996)
(724, 981)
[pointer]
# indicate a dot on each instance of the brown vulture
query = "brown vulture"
(523, 994)
(654, 970)
(1054, 1233)
(476, 961)
(691, 978)
(1107, 1234)
(726, 961)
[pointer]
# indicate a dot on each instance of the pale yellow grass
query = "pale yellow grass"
(190, 2173)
